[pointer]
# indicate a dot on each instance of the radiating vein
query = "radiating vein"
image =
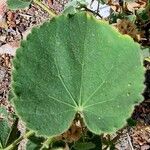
(99, 87)
(56, 99)
(43, 114)
(82, 64)
(58, 70)
(99, 103)
(63, 83)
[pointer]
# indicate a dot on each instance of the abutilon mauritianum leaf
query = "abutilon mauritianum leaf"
(76, 64)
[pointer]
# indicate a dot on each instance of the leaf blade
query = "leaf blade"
(81, 72)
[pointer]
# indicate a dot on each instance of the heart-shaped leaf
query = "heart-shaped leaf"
(76, 64)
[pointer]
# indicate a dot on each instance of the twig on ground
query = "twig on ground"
(129, 141)
(95, 13)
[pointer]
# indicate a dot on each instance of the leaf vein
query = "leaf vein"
(56, 99)
(99, 103)
(63, 83)
(99, 87)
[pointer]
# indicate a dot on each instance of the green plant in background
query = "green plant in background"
(4, 127)
(18, 4)
(74, 64)
(73, 6)
(22, 4)
(8, 133)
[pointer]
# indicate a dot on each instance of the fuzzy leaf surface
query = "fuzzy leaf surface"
(76, 64)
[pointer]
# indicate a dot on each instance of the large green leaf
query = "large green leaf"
(18, 4)
(76, 64)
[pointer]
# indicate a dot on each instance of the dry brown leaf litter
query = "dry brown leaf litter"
(127, 27)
